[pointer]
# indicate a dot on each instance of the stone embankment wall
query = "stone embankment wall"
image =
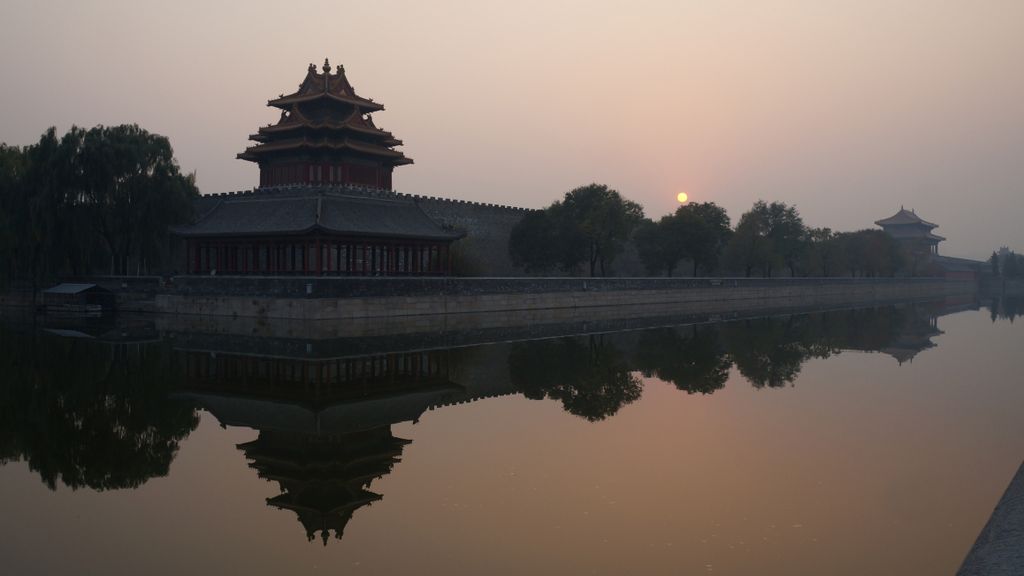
(350, 298)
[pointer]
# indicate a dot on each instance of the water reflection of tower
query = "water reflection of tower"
(915, 334)
(324, 423)
(324, 478)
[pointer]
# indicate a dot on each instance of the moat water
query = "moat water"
(866, 441)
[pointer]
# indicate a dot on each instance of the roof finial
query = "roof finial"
(327, 66)
(312, 67)
(341, 69)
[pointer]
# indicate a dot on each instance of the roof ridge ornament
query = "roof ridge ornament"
(327, 66)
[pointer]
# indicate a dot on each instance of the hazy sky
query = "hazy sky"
(846, 109)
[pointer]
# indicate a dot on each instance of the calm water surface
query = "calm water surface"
(859, 442)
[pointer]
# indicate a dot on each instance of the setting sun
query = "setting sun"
(682, 197)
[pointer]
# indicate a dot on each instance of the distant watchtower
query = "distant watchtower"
(911, 231)
(325, 136)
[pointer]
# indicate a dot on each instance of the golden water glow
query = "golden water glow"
(682, 197)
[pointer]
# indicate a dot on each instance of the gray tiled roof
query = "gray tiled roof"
(904, 217)
(261, 214)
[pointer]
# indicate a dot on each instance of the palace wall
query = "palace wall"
(484, 250)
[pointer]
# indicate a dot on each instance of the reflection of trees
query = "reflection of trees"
(88, 414)
(692, 358)
(588, 375)
(766, 351)
(769, 352)
(1006, 308)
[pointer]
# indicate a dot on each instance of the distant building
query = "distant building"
(325, 204)
(922, 246)
(912, 231)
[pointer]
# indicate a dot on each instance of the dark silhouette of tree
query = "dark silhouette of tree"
(587, 375)
(533, 242)
(767, 237)
(872, 253)
(705, 227)
(659, 246)
(824, 253)
(78, 202)
(590, 225)
(786, 231)
(131, 179)
(603, 218)
(994, 262)
(750, 247)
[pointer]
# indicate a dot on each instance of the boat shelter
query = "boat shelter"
(79, 295)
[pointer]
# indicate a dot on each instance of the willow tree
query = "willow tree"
(107, 194)
(133, 184)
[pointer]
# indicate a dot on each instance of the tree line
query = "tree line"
(1008, 265)
(595, 376)
(89, 202)
(594, 224)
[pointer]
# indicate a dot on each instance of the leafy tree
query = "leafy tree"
(705, 231)
(659, 246)
(131, 178)
(750, 247)
(602, 218)
(994, 262)
(872, 253)
(74, 202)
(12, 175)
(824, 254)
(590, 225)
(533, 242)
(786, 231)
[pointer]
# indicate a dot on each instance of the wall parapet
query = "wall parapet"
(350, 298)
(356, 287)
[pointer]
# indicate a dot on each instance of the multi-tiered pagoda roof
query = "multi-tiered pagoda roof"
(325, 134)
(906, 224)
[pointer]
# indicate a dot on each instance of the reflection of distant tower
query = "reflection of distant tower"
(324, 479)
(916, 336)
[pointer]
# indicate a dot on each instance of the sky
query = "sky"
(845, 109)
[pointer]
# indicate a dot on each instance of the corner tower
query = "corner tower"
(325, 136)
(912, 231)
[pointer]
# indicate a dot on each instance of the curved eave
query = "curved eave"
(253, 153)
(275, 129)
(888, 222)
(361, 103)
